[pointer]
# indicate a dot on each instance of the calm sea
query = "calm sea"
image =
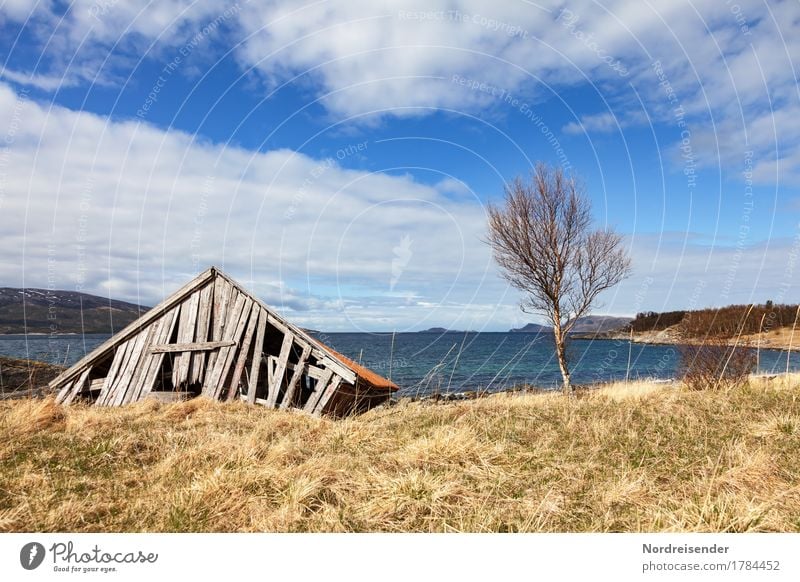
(423, 363)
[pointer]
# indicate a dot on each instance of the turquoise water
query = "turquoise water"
(423, 363)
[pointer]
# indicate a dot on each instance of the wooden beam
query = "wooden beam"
(244, 351)
(314, 397)
(186, 326)
(234, 326)
(155, 361)
(280, 369)
(193, 347)
(296, 375)
(62, 394)
(330, 390)
(203, 329)
(116, 364)
(255, 367)
(131, 391)
(80, 384)
(122, 385)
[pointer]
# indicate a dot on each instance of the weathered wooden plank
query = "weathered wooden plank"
(212, 386)
(330, 390)
(140, 368)
(244, 351)
(224, 298)
(186, 328)
(116, 364)
(123, 384)
(203, 329)
(192, 347)
(299, 370)
(80, 384)
(155, 361)
(65, 390)
(280, 369)
(123, 336)
(258, 350)
(229, 354)
(319, 389)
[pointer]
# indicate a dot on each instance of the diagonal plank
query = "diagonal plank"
(299, 370)
(280, 369)
(258, 349)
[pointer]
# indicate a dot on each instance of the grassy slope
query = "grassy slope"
(640, 458)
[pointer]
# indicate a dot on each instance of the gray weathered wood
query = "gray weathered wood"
(123, 384)
(155, 361)
(212, 387)
(203, 328)
(224, 298)
(299, 370)
(255, 367)
(116, 364)
(80, 384)
(131, 390)
(330, 390)
(244, 351)
(62, 394)
(186, 328)
(192, 347)
(280, 370)
(319, 389)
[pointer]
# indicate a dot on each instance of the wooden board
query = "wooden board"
(212, 386)
(203, 329)
(244, 351)
(186, 330)
(116, 364)
(299, 370)
(152, 364)
(280, 370)
(330, 390)
(122, 385)
(258, 350)
(80, 385)
(193, 347)
(319, 389)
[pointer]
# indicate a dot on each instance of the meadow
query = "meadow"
(639, 457)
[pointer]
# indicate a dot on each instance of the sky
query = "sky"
(336, 157)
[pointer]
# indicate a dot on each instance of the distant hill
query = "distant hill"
(442, 330)
(600, 324)
(45, 311)
(588, 324)
(532, 328)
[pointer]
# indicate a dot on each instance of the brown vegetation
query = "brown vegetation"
(637, 457)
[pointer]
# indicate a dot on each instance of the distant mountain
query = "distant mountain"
(600, 324)
(588, 324)
(46, 311)
(442, 330)
(533, 328)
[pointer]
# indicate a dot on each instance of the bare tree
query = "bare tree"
(543, 241)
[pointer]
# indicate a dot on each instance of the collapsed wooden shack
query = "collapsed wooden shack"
(214, 339)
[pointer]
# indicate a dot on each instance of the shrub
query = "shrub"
(715, 365)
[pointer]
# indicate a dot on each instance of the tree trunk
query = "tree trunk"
(562, 358)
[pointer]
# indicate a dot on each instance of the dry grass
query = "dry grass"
(625, 458)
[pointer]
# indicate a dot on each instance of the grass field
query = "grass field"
(623, 458)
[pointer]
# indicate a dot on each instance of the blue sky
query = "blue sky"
(337, 156)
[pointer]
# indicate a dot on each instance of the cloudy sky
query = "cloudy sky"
(336, 156)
